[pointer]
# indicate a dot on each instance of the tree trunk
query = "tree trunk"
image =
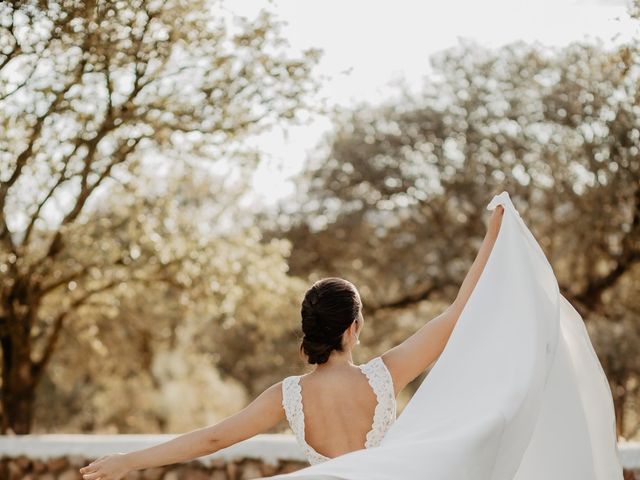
(18, 384)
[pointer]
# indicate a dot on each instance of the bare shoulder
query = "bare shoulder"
(268, 403)
(389, 361)
(274, 392)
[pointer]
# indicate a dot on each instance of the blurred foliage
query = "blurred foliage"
(93, 95)
(394, 197)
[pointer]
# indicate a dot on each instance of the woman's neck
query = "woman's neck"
(337, 359)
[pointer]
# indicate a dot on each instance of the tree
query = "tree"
(92, 93)
(395, 195)
(213, 330)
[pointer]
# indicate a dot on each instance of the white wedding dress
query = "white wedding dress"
(517, 394)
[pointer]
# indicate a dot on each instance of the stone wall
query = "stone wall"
(66, 468)
(58, 457)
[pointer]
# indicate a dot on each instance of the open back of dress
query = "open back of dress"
(517, 394)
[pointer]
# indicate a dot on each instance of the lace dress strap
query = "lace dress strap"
(385, 412)
(292, 404)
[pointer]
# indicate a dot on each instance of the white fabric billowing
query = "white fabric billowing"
(381, 383)
(518, 392)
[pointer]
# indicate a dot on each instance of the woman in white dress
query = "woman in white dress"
(517, 394)
(347, 407)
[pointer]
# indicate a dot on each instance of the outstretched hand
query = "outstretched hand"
(493, 224)
(110, 467)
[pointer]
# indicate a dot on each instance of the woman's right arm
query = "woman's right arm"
(413, 356)
(263, 413)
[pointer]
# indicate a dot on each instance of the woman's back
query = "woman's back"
(338, 410)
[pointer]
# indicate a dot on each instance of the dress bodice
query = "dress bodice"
(381, 382)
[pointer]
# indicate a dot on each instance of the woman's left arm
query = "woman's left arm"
(410, 358)
(259, 416)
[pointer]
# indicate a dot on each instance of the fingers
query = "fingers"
(88, 469)
(92, 468)
(92, 476)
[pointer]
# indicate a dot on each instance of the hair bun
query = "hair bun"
(329, 307)
(317, 351)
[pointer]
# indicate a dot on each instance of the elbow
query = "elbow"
(213, 444)
(454, 310)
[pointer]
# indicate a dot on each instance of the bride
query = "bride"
(517, 393)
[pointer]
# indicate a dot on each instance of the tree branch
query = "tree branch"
(37, 129)
(39, 365)
(407, 300)
(24, 82)
(16, 49)
(591, 296)
(62, 178)
(120, 156)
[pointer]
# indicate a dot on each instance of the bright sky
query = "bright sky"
(369, 43)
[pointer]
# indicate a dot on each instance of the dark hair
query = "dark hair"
(329, 307)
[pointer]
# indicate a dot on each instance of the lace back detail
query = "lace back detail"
(384, 415)
(292, 404)
(385, 412)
